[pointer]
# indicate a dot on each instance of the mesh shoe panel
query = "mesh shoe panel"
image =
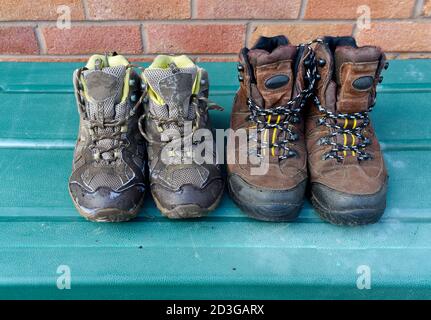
(170, 85)
(109, 108)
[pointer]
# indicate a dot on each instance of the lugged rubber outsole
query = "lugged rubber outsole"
(265, 204)
(187, 211)
(109, 214)
(355, 216)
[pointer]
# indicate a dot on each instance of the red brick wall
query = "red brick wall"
(209, 29)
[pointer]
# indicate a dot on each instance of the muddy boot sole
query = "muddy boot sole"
(109, 214)
(346, 209)
(187, 211)
(264, 204)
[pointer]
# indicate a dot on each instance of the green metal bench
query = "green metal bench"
(225, 255)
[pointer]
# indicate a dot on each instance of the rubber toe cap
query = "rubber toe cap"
(348, 209)
(266, 204)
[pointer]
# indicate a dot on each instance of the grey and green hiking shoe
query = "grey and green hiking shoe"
(177, 107)
(107, 181)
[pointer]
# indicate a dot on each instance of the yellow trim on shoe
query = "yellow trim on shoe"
(353, 143)
(345, 144)
(109, 61)
(274, 136)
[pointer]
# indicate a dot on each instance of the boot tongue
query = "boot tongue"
(105, 94)
(172, 79)
(104, 91)
(355, 73)
(273, 72)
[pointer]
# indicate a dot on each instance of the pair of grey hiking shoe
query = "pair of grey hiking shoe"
(127, 118)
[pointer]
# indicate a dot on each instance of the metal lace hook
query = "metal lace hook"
(78, 92)
(317, 40)
(141, 127)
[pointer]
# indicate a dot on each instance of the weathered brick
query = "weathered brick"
(137, 59)
(350, 9)
(38, 10)
(195, 38)
(138, 9)
(18, 40)
(43, 58)
(398, 36)
(93, 39)
(224, 58)
(299, 33)
(247, 9)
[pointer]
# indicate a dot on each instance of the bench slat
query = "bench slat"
(195, 272)
(39, 180)
(399, 118)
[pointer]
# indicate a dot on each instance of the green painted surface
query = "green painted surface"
(225, 255)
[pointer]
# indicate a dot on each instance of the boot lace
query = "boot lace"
(331, 120)
(290, 113)
(98, 129)
(177, 142)
(359, 143)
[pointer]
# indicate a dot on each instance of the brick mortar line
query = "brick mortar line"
(149, 55)
(248, 33)
(205, 22)
(355, 30)
(52, 23)
(40, 41)
(85, 9)
(418, 8)
(144, 39)
(339, 21)
(302, 9)
(193, 10)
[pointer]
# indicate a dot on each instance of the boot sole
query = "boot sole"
(187, 211)
(109, 214)
(265, 204)
(352, 217)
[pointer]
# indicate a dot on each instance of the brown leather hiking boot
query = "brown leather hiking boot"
(347, 172)
(269, 101)
(177, 108)
(107, 181)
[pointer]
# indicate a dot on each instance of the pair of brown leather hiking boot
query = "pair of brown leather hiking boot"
(306, 109)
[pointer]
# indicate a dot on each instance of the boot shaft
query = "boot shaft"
(344, 153)
(272, 86)
(107, 91)
(349, 74)
(272, 72)
(177, 90)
